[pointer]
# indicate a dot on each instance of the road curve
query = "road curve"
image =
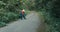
(29, 25)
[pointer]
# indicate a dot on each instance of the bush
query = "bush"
(7, 17)
(8, 11)
(2, 24)
(52, 22)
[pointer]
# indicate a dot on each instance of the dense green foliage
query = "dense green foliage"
(51, 11)
(9, 11)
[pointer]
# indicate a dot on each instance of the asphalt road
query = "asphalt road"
(29, 25)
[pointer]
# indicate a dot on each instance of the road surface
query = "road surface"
(29, 25)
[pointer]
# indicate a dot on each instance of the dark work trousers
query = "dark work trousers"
(23, 16)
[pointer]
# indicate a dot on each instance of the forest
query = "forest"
(50, 9)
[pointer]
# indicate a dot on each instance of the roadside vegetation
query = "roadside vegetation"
(49, 9)
(9, 11)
